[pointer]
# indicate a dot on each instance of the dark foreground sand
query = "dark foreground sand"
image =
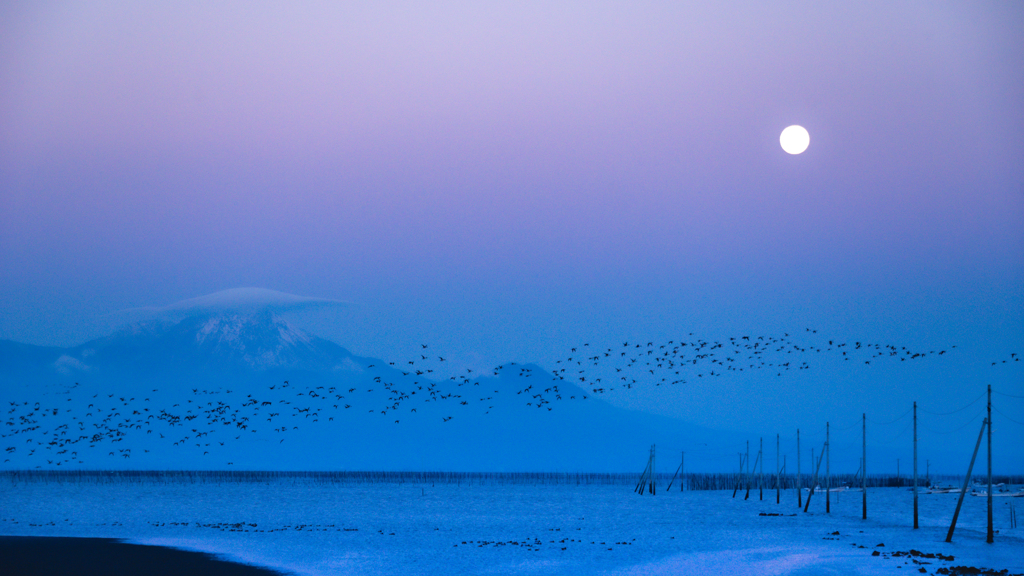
(43, 556)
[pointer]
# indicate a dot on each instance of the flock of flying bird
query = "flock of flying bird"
(83, 422)
(682, 361)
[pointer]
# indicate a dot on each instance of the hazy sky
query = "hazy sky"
(506, 180)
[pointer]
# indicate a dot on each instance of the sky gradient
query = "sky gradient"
(505, 181)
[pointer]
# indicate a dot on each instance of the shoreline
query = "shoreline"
(69, 555)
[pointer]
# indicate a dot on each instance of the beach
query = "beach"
(71, 556)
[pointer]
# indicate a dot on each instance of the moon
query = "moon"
(794, 139)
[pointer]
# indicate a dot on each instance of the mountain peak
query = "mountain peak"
(237, 341)
(259, 339)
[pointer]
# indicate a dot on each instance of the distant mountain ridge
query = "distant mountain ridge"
(245, 388)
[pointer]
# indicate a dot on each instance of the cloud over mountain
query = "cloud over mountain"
(236, 300)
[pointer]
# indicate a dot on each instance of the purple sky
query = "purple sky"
(506, 180)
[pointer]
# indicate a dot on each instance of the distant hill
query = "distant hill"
(244, 389)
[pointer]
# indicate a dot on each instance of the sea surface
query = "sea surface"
(316, 528)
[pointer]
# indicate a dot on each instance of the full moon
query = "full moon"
(794, 139)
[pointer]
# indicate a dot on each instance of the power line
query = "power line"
(892, 421)
(968, 423)
(1007, 417)
(980, 396)
(854, 425)
(1005, 394)
(897, 437)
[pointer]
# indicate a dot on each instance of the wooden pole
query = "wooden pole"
(674, 474)
(646, 479)
(828, 474)
(778, 471)
(915, 466)
(967, 480)
(747, 495)
(653, 477)
(989, 537)
(650, 471)
(864, 465)
(647, 471)
(641, 484)
(760, 476)
(814, 480)
(756, 462)
(799, 479)
(739, 477)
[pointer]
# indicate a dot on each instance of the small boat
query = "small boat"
(1019, 494)
(943, 490)
(838, 489)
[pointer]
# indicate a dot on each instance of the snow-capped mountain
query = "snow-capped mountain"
(257, 340)
(238, 344)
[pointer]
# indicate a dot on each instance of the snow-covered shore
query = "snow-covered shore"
(319, 529)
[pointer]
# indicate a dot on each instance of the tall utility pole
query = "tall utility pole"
(989, 538)
(828, 477)
(967, 481)
(915, 465)
(747, 459)
(864, 463)
(760, 476)
(739, 476)
(778, 471)
(799, 480)
(682, 472)
(653, 489)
